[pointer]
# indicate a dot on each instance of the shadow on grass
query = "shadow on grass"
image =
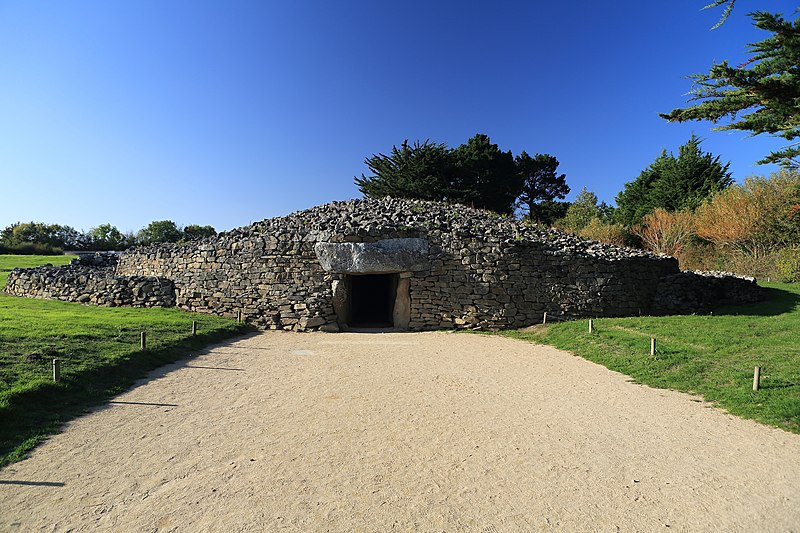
(777, 302)
(33, 415)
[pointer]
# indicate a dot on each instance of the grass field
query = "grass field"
(10, 262)
(99, 350)
(711, 355)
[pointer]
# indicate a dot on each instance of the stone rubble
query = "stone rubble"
(91, 280)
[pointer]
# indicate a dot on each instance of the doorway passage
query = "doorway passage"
(372, 299)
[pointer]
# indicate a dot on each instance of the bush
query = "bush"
(31, 249)
(610, 233)
(668, 233)
(787, 265)
(755, 218)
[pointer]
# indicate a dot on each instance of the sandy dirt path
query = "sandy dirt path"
(405, 432)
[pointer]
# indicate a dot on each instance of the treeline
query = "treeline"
(683, 204)
(49, 239)
(687, 207)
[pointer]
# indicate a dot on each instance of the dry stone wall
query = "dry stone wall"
(480, 270)
(701, 292)
(93, 285)
(454, 267)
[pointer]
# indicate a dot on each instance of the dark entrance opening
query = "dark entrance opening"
(372, 300)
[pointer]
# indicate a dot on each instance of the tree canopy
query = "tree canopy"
(672, 183)
(580, 212)
(160, 231)
(485, 176)
(419, 170)
(108, 237)
(541, 184)
(759, 96)
(51, 235)
(194, 232)
(477, 173)
(38, 237)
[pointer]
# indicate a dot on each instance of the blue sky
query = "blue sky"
(225, 113)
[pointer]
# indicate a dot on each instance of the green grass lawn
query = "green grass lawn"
(711, 355)
(10, 262)
(99, 350)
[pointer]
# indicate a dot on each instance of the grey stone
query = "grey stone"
(293, 272)
(386, 255)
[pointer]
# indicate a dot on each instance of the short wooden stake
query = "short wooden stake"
(56, 370)
(238, 316)
(194, 328)
(544, 319)
(591, 326)
(144, 341)
(756, 378)
(652, 345)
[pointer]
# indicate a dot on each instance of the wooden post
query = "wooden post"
(544, 319)
(144, 341)
(238, 316)
(652, 345)
(56, 370)
(591, 326)
(194, 328)
(756, 378)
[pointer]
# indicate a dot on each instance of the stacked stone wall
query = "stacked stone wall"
(75, 283)
(485, 272)
(97, 259)
(461, 268)
(701, 292)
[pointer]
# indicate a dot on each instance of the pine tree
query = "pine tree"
(541, 185)
(420, 171)
(485, 176)
(673, 183)
(760, 96)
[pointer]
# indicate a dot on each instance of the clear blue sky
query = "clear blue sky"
(225, 113)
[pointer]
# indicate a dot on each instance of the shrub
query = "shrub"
(31, 249)
(606, 232)
(787, 265)
(668, 233)
(756, 218)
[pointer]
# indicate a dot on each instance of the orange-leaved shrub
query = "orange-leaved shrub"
(668, 233)
(755, 218)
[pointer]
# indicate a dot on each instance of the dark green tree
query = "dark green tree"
(548, 212)
(194, 232)
(485, 176)
(759, 96)
(672, 183)
(159, 231)
(476, 173)
(421, 171)
(541, 183)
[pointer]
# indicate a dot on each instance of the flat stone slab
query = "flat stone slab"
(387, 255)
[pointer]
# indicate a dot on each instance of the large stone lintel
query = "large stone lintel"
(387, 255)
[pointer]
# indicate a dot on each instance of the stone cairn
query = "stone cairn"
(457, 267)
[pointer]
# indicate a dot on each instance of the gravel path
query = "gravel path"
(414, 431)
